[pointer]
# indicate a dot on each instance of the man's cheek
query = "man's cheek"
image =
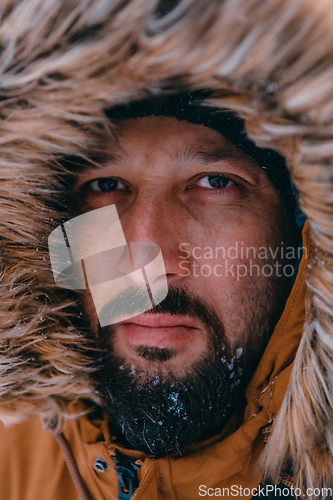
(217, 272)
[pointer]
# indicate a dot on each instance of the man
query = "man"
(177, 399)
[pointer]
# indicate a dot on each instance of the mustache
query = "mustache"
(179, 301)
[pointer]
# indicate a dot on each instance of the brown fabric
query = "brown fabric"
(32, 466)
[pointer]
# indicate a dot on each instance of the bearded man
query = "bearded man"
(154, 265)
(174, 375)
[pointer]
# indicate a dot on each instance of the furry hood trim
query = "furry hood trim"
(62, 63)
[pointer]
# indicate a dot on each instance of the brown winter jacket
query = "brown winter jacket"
(32, 466)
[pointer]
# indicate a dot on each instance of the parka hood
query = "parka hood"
(62, 64)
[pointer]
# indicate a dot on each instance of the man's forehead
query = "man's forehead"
(170, 127)
(181, 140)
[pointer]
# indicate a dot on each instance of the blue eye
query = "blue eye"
(106, 184)
(215, 181)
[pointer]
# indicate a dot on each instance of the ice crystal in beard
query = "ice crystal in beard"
(163, 414)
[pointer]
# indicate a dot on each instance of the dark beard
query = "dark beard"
(162, 413)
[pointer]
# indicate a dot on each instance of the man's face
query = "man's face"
(210, 208)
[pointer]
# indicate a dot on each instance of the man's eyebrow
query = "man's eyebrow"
(95, 159)
(210, 155)
(102, 158)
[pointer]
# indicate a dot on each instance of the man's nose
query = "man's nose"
(152, 219)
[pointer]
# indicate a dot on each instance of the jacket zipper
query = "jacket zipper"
(126, 474)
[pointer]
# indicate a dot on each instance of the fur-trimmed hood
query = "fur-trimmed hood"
(62, 64)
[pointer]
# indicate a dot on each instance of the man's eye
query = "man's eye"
(215, 181)
(105, 184)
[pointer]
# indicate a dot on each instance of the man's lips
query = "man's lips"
(159, 330)
(161, 321)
